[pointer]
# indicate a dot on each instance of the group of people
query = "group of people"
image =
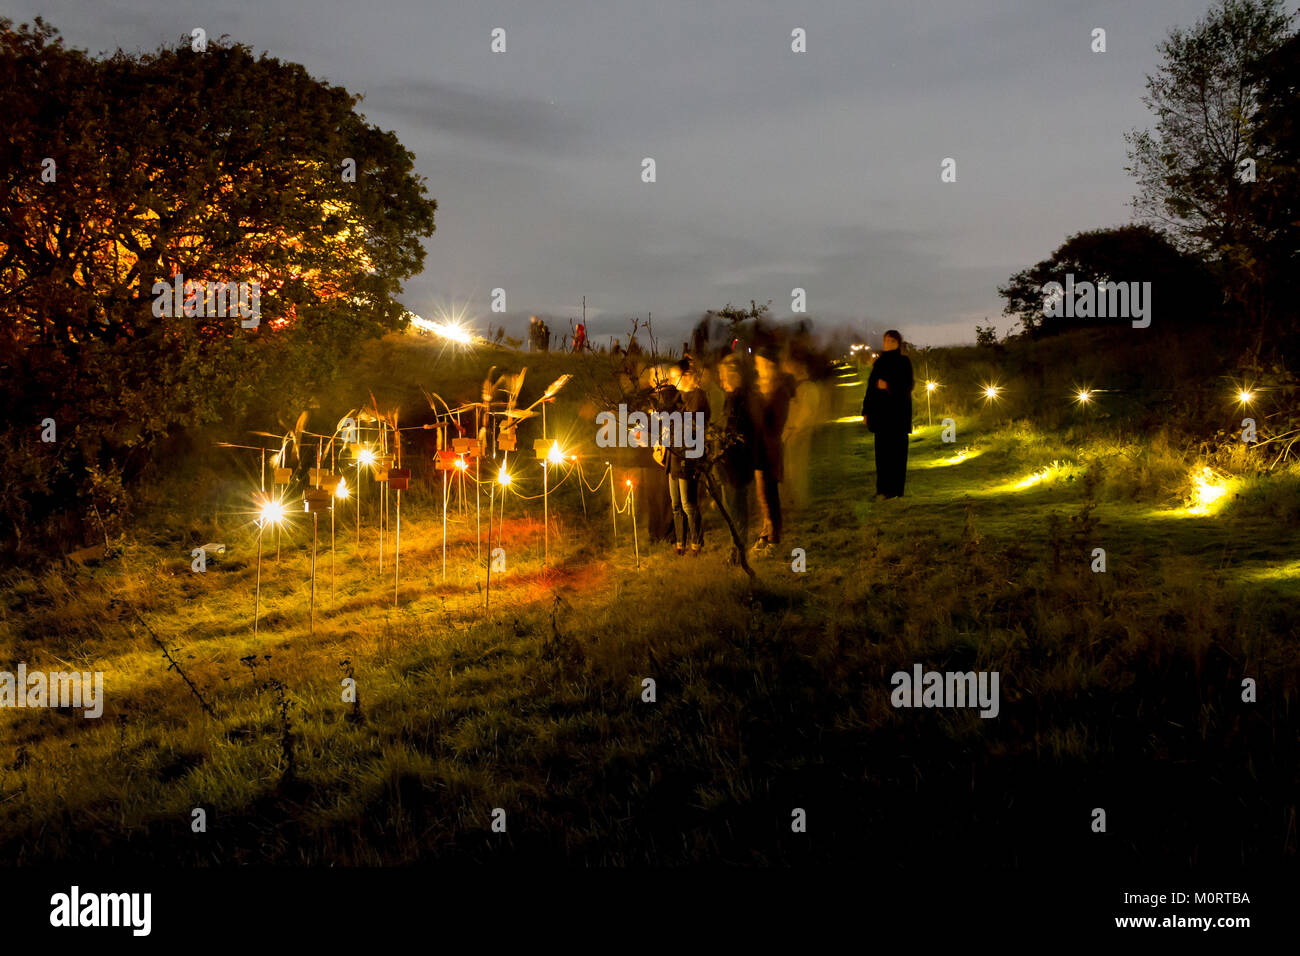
(539, 335)
(761, 435)
(747, 447)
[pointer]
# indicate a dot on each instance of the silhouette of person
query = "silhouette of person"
(887, 412)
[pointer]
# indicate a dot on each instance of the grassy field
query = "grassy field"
(1120, 690)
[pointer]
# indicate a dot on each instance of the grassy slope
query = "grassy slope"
(1119, 690)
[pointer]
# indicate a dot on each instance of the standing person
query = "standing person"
(580, 337)
(532, 333)
(546, 335)
(736, 461)
(887, 412)
(771, 408)
(684, 471)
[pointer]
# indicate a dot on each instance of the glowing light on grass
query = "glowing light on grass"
(1048, 473)
(1208, 489)
(931, 386)
(341, 492)
(503, 477)
(991, 392)
(1281, 573)
(1245, 397)
(964, 455)
(555, 456)
(365, 457)
(1083, 396)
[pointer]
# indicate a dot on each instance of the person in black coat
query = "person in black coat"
(887, 411)
(684, 471)
(735, 465)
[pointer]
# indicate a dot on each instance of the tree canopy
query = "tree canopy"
(124, 172)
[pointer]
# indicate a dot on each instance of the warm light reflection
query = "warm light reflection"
(366, 457)
(555, 456)
(503, 476)
(341, 491)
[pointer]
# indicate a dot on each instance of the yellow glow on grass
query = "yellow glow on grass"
(1208, 491)
(956, 459)
(1282, 572)
(1045, 475)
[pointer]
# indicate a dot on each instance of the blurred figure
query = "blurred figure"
(735, 466)
(683, 471)
(887, 412)
(545, 333)
(533, 337)
(580, 338)
(809, 407)
(771, 409)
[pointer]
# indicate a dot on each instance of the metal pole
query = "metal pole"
(631, 499)
(613, 512)
(257, 601)
(315, 530)
(397, 547)
(444, 525)
(487, 598)
(581, 493)
(546, 514)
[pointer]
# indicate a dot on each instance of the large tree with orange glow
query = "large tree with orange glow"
(218, 166)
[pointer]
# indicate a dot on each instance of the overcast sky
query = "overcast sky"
(775, 169)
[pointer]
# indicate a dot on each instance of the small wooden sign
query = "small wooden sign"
(399, 479)
(282, 475)
(316, 500)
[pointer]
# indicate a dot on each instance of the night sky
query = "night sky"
(775, 169)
